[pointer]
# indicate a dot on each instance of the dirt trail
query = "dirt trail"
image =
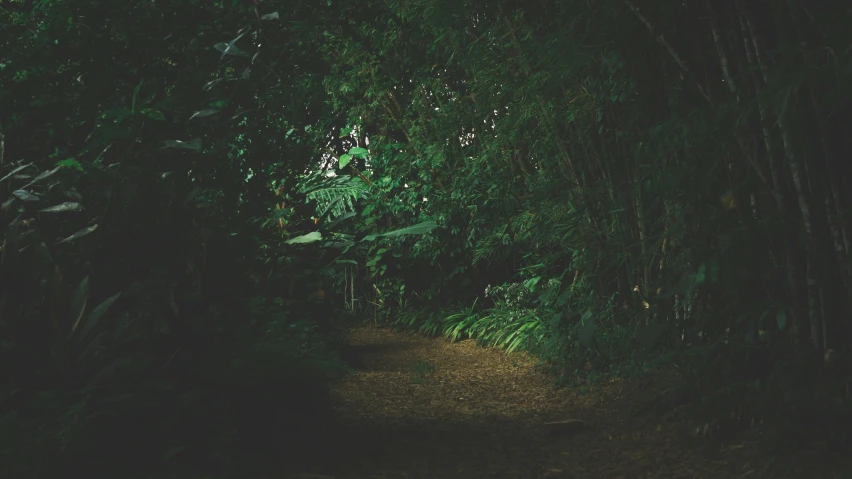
(427, 408)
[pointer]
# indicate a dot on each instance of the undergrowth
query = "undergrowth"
(723, 385)
(165, 410)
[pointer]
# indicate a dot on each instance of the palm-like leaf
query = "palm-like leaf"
(335, 196)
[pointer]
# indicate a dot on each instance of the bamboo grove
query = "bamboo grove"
(689, 157)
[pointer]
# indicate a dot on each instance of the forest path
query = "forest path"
(427, 408)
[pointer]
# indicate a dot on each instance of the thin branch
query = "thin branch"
(723, 56)
(660, 38)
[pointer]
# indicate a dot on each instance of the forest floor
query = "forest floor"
(421, 407)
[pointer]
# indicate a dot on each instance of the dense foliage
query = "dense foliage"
(672, 174)
(192, 190)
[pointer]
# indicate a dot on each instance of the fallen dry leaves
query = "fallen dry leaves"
(483, 413)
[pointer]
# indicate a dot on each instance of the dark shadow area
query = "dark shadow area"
(430, 448)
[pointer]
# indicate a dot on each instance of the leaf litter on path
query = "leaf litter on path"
(484, 413)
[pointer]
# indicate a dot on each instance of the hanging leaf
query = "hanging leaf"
(25, 196)
(417, 229)
(344, 160)
(308, 238)
(96, 314)
(207, 86)
(270, 16)
(80, 234)
(78, 303)
(241, 113)
(135, 96)
(16, 170)
(42, 175)
(63, 208)
(203, 113)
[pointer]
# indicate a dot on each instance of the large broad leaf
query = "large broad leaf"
(25, 195)
(417, 229)
(308, 238)
(344, 160)
(359, 152)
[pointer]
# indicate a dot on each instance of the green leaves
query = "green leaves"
(344, 160)
(359, 152)
(70, 163)
(66, 207)
(531, 283)
(420, 228)
(356, 152)
(204, 113)
(334, 196)
(307, 238)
